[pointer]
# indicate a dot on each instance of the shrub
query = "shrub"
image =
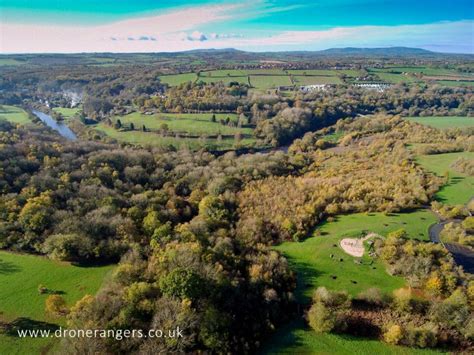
(402, 300)
(468, 330)
(421, 337)
(56, 305)
(453, 312)
(321, 319)
(327, 312)
(374, 297)
(394, 334)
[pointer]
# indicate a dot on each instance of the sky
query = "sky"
(74, 26)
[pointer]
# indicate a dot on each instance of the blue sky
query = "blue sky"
(258, 25)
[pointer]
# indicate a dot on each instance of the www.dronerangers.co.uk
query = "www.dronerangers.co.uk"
(117, 334)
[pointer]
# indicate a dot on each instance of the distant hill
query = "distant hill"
(391, 51)
(216, 57)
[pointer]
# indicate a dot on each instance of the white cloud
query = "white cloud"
(21, 38)
(197, 36)
(448, 36)
(183, 30)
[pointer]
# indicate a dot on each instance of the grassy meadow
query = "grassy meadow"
(314, 80)
(176, 79)
(198, 125)
(311, 257)
(67, 113)
(460, 186)
(263, 79)
(314, 267)
(20, 276)
(192, 123)
(444, 122)
(269, 81)
(14, 114)
(297, 338)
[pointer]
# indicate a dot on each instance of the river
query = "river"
(462, 255)
(59, 127)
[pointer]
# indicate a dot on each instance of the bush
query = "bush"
(56, 305)
(402, 300)
(327, 312)
(393, 335)
(321, 319)
(453, 312)
(468, 330)
(421, 337)
(374, 297)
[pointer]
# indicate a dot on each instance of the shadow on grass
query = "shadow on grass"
(24, 323)
(7, 267)
(94, 263)
(305, 276)
(452, 181)
(285, 338)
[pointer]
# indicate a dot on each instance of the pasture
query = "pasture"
(138, 137)
(190, 130)
(176, 79)
(14, 114)
(314, 80)
(441, 76)
(297, 338)
(444, 122)
(314, 267)
(263, 79)
(325, 72)
(269, 81)
(460, 186)
(20, 276)
(191, 123)
(67, 113)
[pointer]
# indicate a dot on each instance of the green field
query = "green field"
(311, 257)
(263, 79)
(223, 73)
(325, 72)
(314, 80)
(314, 267)
(197, 124)
(176, 79)
(460, 187)
(192, 123)
(225, 79)
(66, 112)
(420, 70)
(20, 276)
(269, 81)
(395, 78)
(444, 122)
(138, 137)
(14, 114)
(10, 62)
(297, 338)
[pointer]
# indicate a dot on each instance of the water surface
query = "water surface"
(59, 127)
